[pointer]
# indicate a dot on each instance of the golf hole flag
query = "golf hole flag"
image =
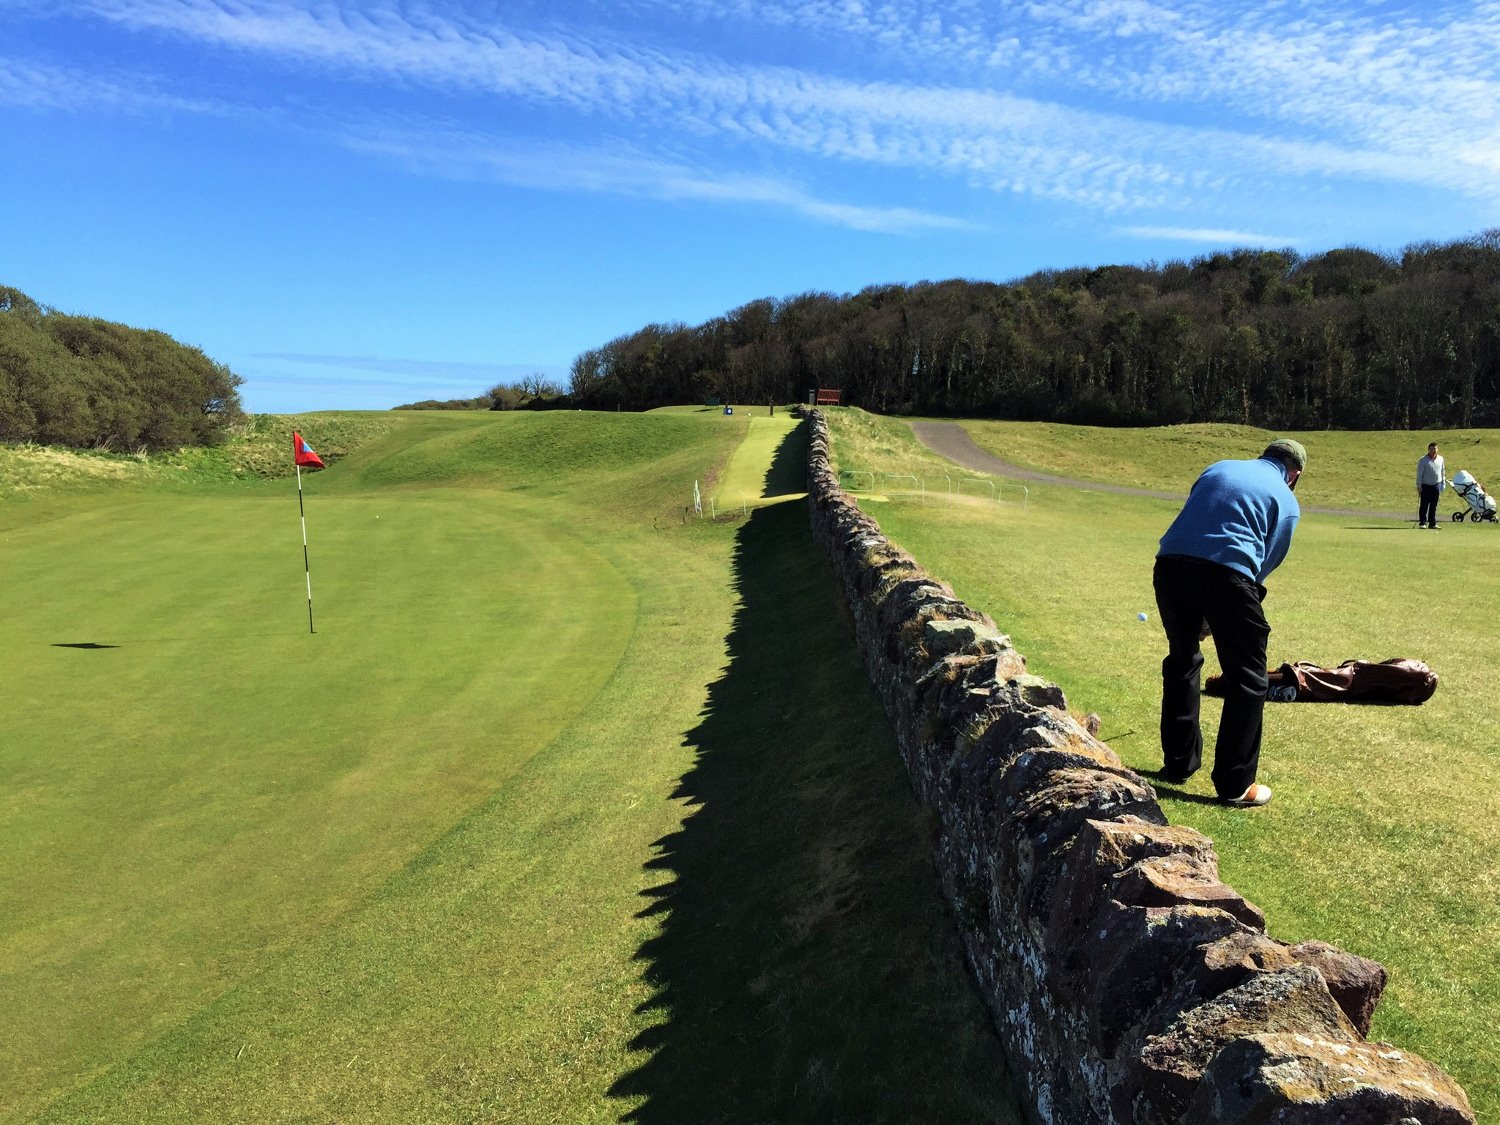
(303, 454)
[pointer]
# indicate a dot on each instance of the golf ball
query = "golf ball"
(1140, 617)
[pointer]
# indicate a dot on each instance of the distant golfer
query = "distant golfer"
(1233, 531)
(1430, 484)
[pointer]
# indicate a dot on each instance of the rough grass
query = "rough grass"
(29, 468)
(547, 822)
(258, 447)
(1382, 834)
(868, 442)
(261, 445)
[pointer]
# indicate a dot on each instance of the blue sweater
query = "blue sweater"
(1240, 514)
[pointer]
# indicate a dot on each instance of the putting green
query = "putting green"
(217, 783)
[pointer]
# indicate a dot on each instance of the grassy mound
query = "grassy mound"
(552, 452)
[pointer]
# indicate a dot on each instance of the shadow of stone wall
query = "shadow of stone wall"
(804, 969)
(1128, 982)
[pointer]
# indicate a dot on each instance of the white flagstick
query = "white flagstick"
(301, 512)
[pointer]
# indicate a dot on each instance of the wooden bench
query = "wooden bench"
(828, 396)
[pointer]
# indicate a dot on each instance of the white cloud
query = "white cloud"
(1211, 235)
(466, 155)
(1408, 101)
(447, 372)
(1411, 83)
(36, 86)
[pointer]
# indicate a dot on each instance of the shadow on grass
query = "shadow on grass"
(787, 475)
(1167, 789)
(806, 968)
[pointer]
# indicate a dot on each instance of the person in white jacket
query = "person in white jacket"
(1430, 484)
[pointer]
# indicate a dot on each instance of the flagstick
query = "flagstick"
(302, 512)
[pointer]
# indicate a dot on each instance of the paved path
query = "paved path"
(951, 441)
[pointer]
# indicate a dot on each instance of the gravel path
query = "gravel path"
(951, 441)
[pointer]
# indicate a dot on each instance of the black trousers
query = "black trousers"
(1190, 592)
(1427, 508)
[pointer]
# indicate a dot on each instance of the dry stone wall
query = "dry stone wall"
(1128, 983)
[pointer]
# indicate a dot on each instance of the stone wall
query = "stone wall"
(1128, 983)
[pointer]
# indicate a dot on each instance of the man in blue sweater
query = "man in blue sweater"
(1233, 531)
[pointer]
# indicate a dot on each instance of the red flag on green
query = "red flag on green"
(303, 453)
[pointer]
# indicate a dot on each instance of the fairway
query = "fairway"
(745, 479)
(1382, 834)
(762, 468)
(533, 828)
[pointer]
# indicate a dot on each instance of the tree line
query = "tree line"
(88, 383)
(532, 392)
(1347, 339)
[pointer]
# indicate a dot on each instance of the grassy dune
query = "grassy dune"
(1382, 834)
(544, 823)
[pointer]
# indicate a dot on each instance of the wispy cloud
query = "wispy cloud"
(1001, 141)
(322, 391)
(448, 372)
(473, 156)
(30, 85)
(1405, 101)
(319, 381)
(1399, 82)
(1217, 236)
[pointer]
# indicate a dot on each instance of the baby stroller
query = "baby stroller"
(1481, 505)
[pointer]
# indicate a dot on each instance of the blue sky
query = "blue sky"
(357, 205)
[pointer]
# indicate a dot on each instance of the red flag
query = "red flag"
(303, 453)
